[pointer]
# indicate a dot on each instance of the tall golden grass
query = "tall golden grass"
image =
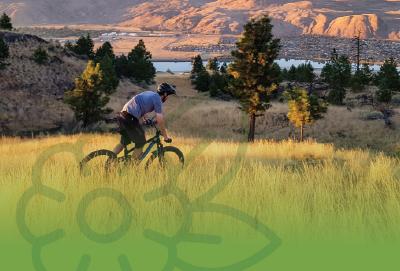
(297, 189)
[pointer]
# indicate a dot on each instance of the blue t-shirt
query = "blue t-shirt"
(144, 103)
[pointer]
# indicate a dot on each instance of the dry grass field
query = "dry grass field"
(201, 116)
(316, 199)
(313, 196)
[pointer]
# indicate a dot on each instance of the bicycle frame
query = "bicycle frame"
(151, 143)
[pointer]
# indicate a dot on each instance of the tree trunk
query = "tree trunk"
(301, 133)
(252, 127)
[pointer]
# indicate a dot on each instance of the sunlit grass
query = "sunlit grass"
(300, 190)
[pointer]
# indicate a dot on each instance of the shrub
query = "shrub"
(4, 53)
(40, 56)
(396, 99)
(374, 115)
(5, 22)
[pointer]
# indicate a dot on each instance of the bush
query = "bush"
(374, 115)
(83, 47)
(5, 22)
(202, 81)
(4, 52)
(40, 56)
(396, 99)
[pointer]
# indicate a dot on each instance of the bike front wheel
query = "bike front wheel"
(98, 161)
(170, 157)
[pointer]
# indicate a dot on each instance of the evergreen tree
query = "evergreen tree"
(384, 95)
(106, 57)
(213, 65)
(277, 72)
(197, 66)
(4, 53)
(253, 68)
(123, 67)
(388, 77)
(337, 73)
(292, 73)
(358, 81)
(304, 108)
(111, 80)
(142, 67)
(84, 46)
(285, 74)
(105, 50)
(40, 56)
(218, 84)
(305, 73)
(388, 81)
(202, 81)
(366, 74)
(88, 99)
(5, 22)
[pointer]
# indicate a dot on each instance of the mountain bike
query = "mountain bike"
(165, 155)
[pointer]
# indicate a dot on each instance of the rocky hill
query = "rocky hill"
(32, 94)
(345, 18)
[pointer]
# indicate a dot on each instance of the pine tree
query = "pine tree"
(252, 69)
(110, 80)
(202, 81)
(285, 74)
(197, 66)
(388, 80)
(40, 56)
(366, 74)
(304, 108)
(84, 46)
(292, 73)
(337, 73)
(88, 99)
(4, 53)
(143, 68)
(358, 81)
(305, 73)
(106, 57)
(218, 84)
(213, 65)
(102, 51)
(388, 77)
(5, 22)
(123, 67)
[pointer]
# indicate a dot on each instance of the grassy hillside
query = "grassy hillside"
(32, 94)
(317, 201)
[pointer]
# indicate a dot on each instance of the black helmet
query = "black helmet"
(166, 88)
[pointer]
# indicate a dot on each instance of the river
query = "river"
(186, 66)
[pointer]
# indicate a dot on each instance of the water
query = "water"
(186, 66)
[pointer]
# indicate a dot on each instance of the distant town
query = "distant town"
(316, 48)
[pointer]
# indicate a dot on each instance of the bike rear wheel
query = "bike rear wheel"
(101, 159)
(171, 157)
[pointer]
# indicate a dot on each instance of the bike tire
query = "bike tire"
(111, 156)
(169, 150)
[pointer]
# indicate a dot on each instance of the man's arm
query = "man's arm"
(161, 125)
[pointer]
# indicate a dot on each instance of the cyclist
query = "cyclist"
(131, 118)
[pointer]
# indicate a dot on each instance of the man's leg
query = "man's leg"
(140, 140)
(118, 149)
(137, 153)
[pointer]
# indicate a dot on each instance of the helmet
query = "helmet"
(166, 88)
